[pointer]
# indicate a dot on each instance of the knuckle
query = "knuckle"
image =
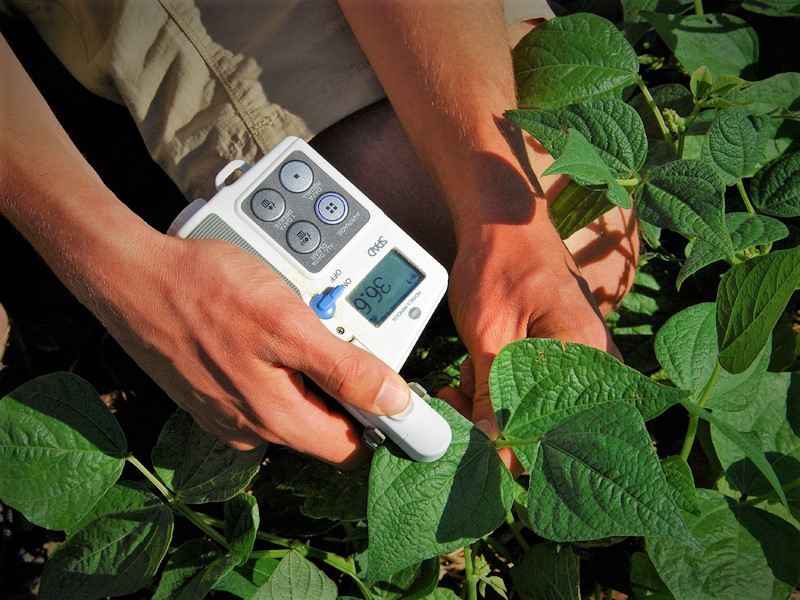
(344, 371)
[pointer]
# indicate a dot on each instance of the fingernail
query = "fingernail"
(393, 397)
(485, 426)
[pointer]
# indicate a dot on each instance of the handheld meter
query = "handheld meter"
(368, 281)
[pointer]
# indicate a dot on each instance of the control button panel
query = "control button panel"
(304, 210)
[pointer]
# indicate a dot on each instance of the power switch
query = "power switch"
(324, 304)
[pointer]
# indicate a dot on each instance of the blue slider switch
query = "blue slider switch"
(324, 304)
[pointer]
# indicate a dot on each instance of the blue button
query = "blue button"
(324, 305)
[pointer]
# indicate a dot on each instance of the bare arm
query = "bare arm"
(446, 68)
(219, 332)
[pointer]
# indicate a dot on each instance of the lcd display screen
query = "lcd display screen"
(385, 287)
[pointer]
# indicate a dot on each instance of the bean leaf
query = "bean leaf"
(596, 475)
(775, 188)
(744, 552)
(734, 143)
(296, 578)
(116, 553)
(197, 465)
(571, 59)
(547, 571)
(60, 449)
(241, 525)
(613, 127)
(439, 506)
(750, 299)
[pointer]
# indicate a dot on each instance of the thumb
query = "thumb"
(353, 375)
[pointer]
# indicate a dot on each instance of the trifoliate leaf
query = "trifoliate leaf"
(775, 188)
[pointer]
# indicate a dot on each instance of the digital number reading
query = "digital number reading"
(385, 287)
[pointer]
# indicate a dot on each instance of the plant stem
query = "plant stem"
(698, 7)
(772, 494)
(200, 523)
(469, 576)
(654, 107)
(745, 198)
(151, 478)
(691, 430)
(514, 527)
(340, 563)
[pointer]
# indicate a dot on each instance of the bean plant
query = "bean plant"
(673, 475)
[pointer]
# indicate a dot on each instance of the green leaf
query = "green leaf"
(747, 442)
(412, 583)
(241, 525)
(613, 127)
(666, 96)
(60, 449)
(645, 582)
(439, 506)
(583, 164)
(750, 299)
(198, 466)
(723, 43)
(297, 579)
(244, 580)
(115, 554)
(192, 571)
(686, 348)
(775, 189)
(596, 475)
(781, 91)
(773, 8)
(687, 196)
(577, 206)
(537, 383)
(734, 143)
(744, 552)
(636, 26)
(776, 419)
(746, 231)
(327, 491)
(547, 572)
(681, 483)
(570, 59)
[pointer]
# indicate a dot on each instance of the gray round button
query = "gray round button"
(331, 208)
(296, 176)
(267, 204)
(303, 237)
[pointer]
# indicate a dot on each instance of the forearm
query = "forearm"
(447, 70)
(53, 196)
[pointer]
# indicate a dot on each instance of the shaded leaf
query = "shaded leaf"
(681, 483)
(547, 572)
(576, 207)
(775, 188)
(115, 554)
(192, 571)
(245, 580)
(197, 465)
(724, 43)
(744, 552)
(241, 525)
(439, 506)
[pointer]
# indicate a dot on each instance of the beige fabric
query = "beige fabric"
(208, 81)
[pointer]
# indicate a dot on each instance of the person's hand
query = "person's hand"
(516, 282)
(230, 343)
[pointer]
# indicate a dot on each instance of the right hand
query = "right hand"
(230, 343)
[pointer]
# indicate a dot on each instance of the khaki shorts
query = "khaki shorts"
(209, 81)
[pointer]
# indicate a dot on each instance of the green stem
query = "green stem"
(200, 522)
(341, 564)
(691, 431)
(772, 494)
(472, 585)
(514, 527)
(745, 198)
(151, 478)
(654, 107)
(698, 7)
(632, 182)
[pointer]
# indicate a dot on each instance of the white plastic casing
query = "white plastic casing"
(420, 431)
